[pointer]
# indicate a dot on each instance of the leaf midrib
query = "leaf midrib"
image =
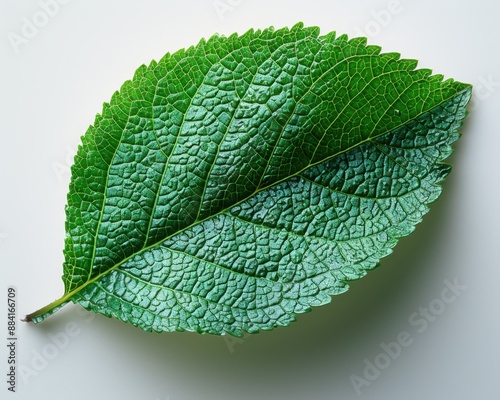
(67, 297)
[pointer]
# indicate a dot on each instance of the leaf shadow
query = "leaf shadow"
(337, 335)
(328, 343)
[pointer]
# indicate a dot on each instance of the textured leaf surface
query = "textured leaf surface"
(234, 184)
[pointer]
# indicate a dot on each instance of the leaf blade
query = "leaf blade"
(177, 165)
(331, 281)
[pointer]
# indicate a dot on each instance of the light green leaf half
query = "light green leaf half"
(234, 184)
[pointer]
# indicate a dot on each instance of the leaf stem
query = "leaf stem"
(48, 308)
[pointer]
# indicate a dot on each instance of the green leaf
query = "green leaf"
(234, 184)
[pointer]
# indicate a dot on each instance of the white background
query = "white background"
(54, 83)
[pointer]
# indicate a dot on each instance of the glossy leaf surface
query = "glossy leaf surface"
(234, 184)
